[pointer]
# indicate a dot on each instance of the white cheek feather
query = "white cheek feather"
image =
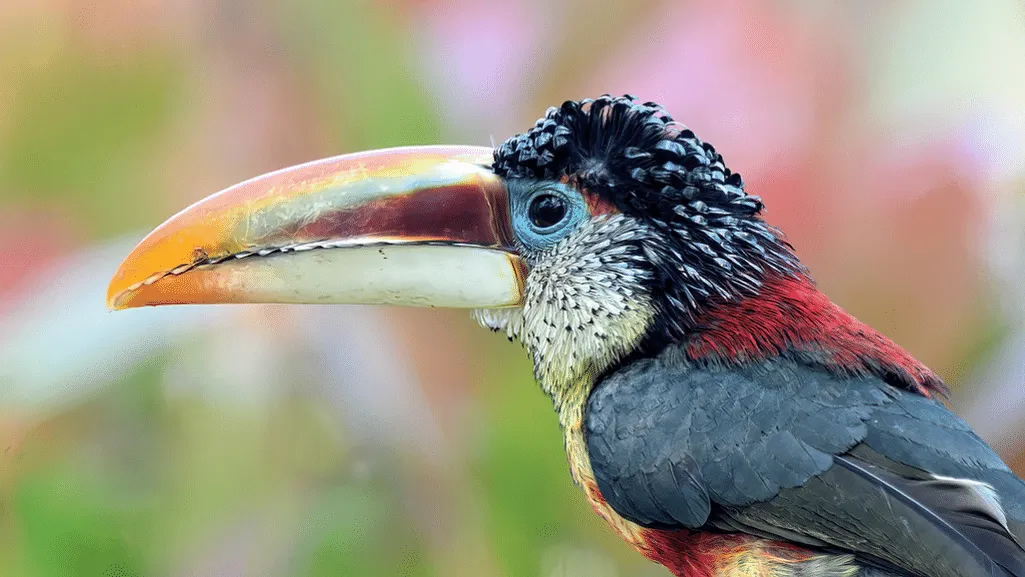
(508, 321)
(586, 304)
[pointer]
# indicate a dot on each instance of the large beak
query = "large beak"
(423, 226)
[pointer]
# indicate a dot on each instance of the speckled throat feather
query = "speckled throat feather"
(586, 305)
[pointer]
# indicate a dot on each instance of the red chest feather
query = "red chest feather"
(791, 313)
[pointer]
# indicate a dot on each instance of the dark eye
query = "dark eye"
(547, 210)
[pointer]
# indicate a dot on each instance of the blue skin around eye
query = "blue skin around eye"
(521, 194)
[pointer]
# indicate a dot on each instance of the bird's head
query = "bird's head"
(604, 228)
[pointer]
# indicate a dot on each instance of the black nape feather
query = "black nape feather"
(713, 241)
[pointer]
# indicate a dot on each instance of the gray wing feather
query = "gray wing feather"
(728, 440)
(761, 449)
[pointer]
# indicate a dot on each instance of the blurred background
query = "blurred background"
(887, 138)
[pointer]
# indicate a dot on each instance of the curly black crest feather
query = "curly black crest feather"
(614, 144)
(637, 157)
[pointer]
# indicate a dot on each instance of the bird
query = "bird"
(718, 411)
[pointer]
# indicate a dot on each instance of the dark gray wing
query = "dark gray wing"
(787, 451)
(922, 433)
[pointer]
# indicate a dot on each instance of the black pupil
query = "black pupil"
(547, 210)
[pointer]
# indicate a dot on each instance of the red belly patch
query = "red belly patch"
(697, 554)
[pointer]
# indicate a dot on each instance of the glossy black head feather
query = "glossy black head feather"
(613, 144)
(713, 241)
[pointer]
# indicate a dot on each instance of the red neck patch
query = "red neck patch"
(791, 314)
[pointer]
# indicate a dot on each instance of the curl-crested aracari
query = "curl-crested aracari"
(719, 412)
